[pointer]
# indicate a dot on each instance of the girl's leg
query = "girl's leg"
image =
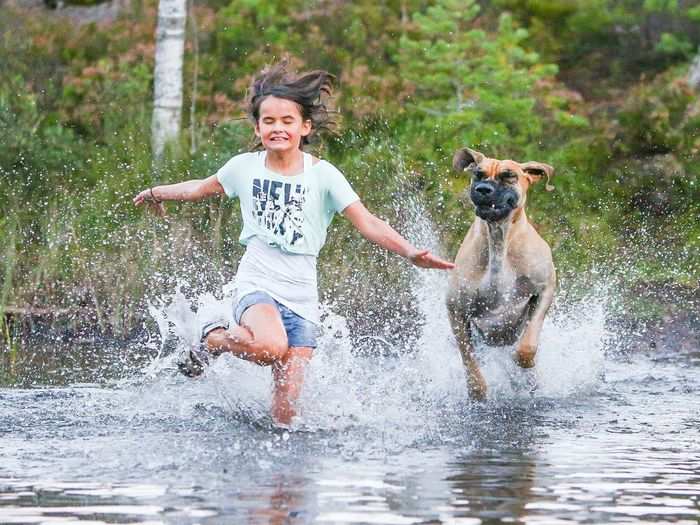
(288, 378)
(260, 337)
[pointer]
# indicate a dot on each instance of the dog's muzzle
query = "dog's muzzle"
(493, 202)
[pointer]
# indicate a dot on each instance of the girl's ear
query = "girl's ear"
(257, 130)
(306, 127)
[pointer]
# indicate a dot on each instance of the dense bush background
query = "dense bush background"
(596, 88)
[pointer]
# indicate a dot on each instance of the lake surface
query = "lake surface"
(599, 433)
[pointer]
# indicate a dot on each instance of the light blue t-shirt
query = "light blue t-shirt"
(290, 212)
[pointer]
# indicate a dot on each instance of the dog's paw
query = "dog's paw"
(478, 390)
(525, 356)
(477, 395)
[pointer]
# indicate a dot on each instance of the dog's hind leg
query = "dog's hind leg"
(527, 347)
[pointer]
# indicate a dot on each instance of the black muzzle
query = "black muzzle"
(493, 202)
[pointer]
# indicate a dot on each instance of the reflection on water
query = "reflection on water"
(168, 452)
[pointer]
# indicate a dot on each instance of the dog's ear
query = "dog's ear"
(535, 171)
(465, 157)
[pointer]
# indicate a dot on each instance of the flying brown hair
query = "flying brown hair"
(310, 91)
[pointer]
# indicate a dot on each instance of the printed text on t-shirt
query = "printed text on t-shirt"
(277, 207)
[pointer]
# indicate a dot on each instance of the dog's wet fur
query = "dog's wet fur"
(504, 279)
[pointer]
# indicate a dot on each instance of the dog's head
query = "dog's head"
(499, 187)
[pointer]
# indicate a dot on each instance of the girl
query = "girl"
(287, 199)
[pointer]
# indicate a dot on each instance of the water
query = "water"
(597, 433)
(387, 437)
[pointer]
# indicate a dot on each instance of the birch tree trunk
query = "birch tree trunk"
(167, 96)
(694, 73)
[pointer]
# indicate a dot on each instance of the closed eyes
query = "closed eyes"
(508, 176)
(478, 173)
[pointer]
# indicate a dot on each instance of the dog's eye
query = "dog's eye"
(478, 173)
(508, 176)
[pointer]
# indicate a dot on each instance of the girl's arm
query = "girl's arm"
(376, 230)
(191, 190)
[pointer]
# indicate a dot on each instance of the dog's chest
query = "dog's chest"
(500, 305)
(503, 290)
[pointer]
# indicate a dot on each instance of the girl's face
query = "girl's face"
(281, 126)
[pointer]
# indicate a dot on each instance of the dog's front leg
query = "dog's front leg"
(527, 347)
(475, 380)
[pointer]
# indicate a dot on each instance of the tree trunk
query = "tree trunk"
(694, 73)
(167, 97)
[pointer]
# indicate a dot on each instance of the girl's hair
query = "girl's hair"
(311, 91)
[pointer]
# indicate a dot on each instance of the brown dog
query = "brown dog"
(504, 279)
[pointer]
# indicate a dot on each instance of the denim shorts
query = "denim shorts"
(300, 331)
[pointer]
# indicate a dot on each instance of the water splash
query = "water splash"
(388, 390)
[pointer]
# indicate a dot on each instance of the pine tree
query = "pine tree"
(473, 88)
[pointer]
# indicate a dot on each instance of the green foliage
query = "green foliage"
(659, 117)
(522, 79)
(661, 6)
(672, 45)
(470, 86)
(33, 154)
(244, 25)
(603, 43)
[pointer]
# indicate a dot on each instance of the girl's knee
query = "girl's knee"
(216, 339)
(275, 349)
(294, 357)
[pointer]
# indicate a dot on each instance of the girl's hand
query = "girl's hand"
(425, 259)
(146, 197)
